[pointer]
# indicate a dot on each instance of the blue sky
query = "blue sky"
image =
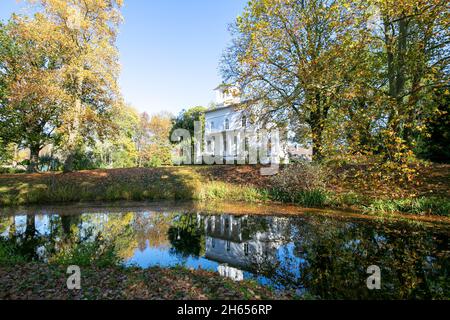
(169, 50)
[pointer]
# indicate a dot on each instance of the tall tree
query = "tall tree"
(186, 120)
(119, 149)
(31, 101)
(414, 41)
(294, 58)
(160, 148)
(142, 139)
(87, 31)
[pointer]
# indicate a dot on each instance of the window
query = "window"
(213, 243)
(228, 246)
(244, 122)
(227, 224)
(246, 251)
(212, 124)
(227, 124)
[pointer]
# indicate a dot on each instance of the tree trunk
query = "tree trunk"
(34, 159)
(401, 65)
(73, 137)
(317, 124)
(396, 71)
(74, 131)
(389, 46)
(317, 144)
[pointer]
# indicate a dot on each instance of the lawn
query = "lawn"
(166, 183)
(348, 187)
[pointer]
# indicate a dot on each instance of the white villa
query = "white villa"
(226, 119)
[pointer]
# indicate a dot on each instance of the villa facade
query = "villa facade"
(227, 128)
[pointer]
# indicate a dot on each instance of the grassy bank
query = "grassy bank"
(230, 183)
(124, 184)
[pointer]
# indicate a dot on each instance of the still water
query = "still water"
(315, 255)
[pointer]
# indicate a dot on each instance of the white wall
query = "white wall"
(235, 117)
(219, 117)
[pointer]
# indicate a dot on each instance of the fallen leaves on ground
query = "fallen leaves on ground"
(38, 281)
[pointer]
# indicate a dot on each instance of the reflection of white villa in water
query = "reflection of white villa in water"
(229, 272)
(229, 243)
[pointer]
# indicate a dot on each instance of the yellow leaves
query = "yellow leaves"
(65, 66)
(84, 31)
(420, 128)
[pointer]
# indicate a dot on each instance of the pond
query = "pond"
(313, 254)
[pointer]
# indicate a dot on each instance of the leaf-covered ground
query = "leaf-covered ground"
(431, 180)
(40, 281)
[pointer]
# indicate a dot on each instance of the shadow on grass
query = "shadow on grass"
(108, 185)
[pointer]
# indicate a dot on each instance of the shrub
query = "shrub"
(302, 183)
(301, 176)
(154, 162)
(85, 160)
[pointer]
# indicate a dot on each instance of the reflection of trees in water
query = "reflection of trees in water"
(152, 228)
(23, 244)
(120, 234)
(29, 240)
(330, 259)
(65, 233)
(187, 235)
(99, 235)
(66, 237)
(252, 225)
(70, 226)
(325, 256)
